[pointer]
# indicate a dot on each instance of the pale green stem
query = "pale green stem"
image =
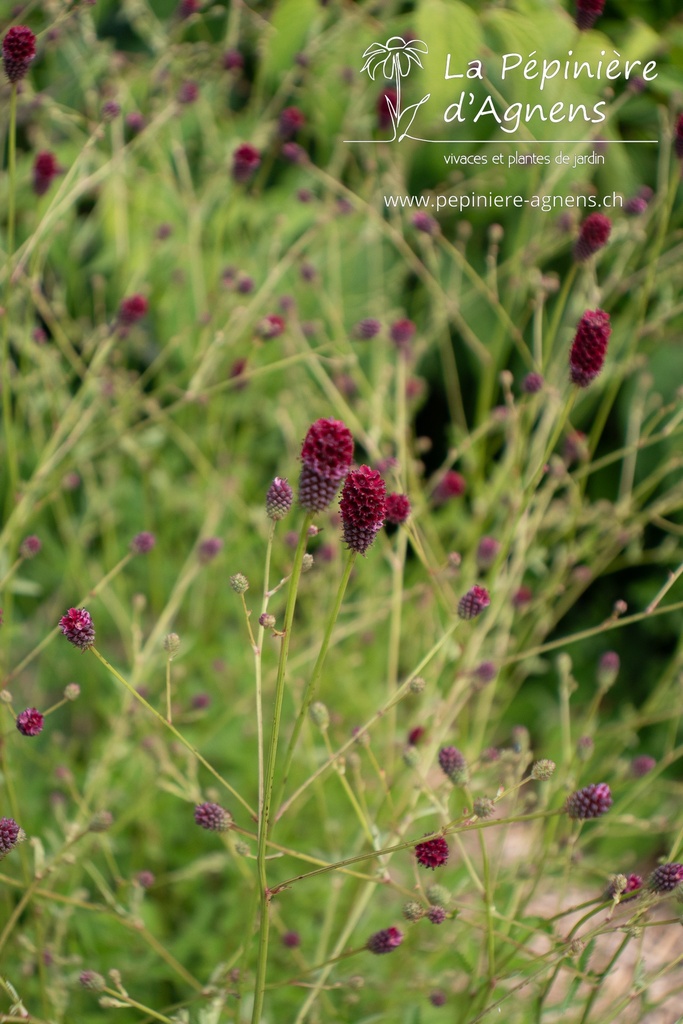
(264, 817)
(8, 425)
(309, 692)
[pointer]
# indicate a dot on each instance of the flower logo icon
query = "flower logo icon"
(395, 58)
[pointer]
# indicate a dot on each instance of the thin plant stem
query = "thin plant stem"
(8, 424)
(311, 685)
(264, 817)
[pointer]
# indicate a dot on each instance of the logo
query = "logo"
(395, 58)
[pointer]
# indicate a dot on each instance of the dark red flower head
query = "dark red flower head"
(397, 509)
(45, 168)
(291, 121)
(245, 162)
(589, 348)
(453, 764)
(451, 485)
(142, 543)
(10, 835)
(532, 383)
(271, 326)
(473, 602)
(433, 853)
(188, 93)
(588, 12)
(132, 309)
(233, 60)
(326, 453)
(367, 328)
(401, 333)
(385, 941)
(642, 765)
(593, 235)
(421, 221)
(186, 8)
(666, 877)
(363, 507)
(590, 802)
(30, 722)
(328, 449)
(633, 882)
(77, 627)
(678, 138)
(18, 50)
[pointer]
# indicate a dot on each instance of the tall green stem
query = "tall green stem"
(8, 426)
(312, 684)
(264, 818)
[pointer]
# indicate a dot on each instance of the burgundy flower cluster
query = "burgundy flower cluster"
(589, 348)
(326, 453)
(590, 802)
(18, 50)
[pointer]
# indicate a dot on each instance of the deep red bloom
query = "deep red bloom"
(473, 602)
(593, 235)
(271, 326)
(451, 485)
(30, 546)
(291, 121)
(212, 817)
(363, 507)
(415, 735)
(132, 309)
(142, 543)
(186, 8)
(678, 138)
(421, 221)
(437, 915)
(30, 722)
(397, 509)
(453, 764)
(135, 122)
(245, 162)
(188, 92)
(367, 328)
(233, 60)
(642, 765)
(18, 50)
(10, 835)
(385, 941)
(522, 597)
(433, 853)
(666, 877)
(208, 549)
(386, 97)
(328, 449)
(633, 882)
(532, 383)
(590, 802)
(588, 12)
(45, 168)
(401, 333)
(78, 628)
(589, 348)
(487, 552)
(291, 940)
